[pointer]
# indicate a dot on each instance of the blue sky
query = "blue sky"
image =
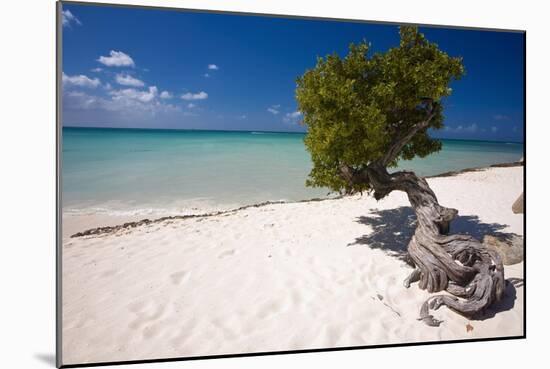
(143, 68)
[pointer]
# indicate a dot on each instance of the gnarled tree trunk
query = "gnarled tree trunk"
(458, 264)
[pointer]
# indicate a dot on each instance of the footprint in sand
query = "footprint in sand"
(332, 334)
(269, 309)
(226, 253)
(360, 292)
(179, 277)
(145, 313)
(150, 332)
(109, 273)
(296, 298)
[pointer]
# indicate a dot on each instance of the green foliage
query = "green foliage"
(357, 106)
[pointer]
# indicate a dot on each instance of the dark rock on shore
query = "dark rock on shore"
(517, 207)
(509, 247)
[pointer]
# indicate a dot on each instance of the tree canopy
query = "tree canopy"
(365, 109)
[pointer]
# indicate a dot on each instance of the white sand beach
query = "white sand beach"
(278, 277)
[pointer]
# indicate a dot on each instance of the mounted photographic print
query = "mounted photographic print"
(235, 184)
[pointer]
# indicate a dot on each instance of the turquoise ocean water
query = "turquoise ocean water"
(132, 171)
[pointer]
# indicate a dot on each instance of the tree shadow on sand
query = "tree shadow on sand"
(392, 229)
(507, 301)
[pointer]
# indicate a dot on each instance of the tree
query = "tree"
(364, 114)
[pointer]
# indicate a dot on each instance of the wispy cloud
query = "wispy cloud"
(292, 117)
(79, 100)
(191, 105)
(80, 80)
(213, 67)
(274, 109)
(97, 70)
(68, 19)
(128, 80)
(494, 129)
(472, 128)
(195, 96)
(166, 95)
(501, 117)
(117, 59)
(206, 75)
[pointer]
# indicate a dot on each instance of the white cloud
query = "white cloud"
(80, 80)
(472, 128)
(127, 80)
(197, 96)
(213, 67)
(501, 117)
(292, 117)
(130, 103)
(68, 18)
(242, 116)
(206, 75)
(132, 93)
(191, 105)
(97, 70)
(79, 100)
(166, 95)
(116, 59)
(295, 114)
(274, 109)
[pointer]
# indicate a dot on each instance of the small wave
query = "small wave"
(196, 207)
(145, 211)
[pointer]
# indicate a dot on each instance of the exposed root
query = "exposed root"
(475, 278)
(459, 264)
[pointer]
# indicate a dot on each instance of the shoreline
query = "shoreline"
(94, 231)
(477, 169)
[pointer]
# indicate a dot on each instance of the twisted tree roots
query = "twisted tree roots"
(459, 264)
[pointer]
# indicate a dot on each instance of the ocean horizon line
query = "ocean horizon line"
(259, 131)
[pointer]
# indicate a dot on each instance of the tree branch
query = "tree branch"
(398, 144)
(353, 176)
(372, 174)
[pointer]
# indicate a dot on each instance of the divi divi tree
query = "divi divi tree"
(367, 111)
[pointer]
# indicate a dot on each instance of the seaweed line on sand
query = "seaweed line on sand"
(112, 229)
